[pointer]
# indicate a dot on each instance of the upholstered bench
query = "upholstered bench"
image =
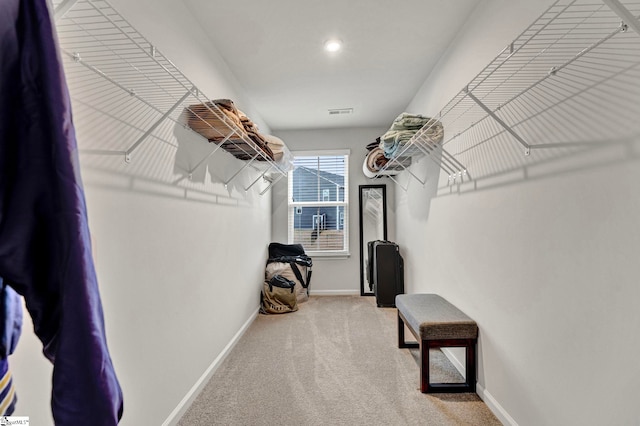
(436, 323)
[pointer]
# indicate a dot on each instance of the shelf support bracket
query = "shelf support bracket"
(527, 147)
(624, 14)
(440, 162)
(409, 171)
(257, 179)
(63, 8)
(154, 126)
(217, 147)
(240, 170)
(271, 184)
(405, 189)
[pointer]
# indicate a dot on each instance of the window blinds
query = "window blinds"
(318, 203)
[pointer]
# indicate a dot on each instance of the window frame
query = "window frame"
(343, 220)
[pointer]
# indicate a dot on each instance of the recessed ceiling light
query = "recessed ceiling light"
(333, 45)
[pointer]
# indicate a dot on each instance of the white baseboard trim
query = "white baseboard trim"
(334, 293)
(495, 407)
(188, 399)
(488, 399)
(456, 363)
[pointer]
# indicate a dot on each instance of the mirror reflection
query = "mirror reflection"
(373, 226)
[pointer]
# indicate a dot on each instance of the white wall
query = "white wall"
(547, 264)
(179, 271)
(334, 276)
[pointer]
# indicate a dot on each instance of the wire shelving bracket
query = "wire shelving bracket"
(569, 82)
(117, 76)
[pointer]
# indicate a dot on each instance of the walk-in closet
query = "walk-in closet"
(156, 154)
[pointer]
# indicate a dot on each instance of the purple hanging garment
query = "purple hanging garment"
(45, 252)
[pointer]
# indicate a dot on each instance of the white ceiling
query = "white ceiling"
(275, 50)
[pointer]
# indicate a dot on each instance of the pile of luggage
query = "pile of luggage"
(287, 278)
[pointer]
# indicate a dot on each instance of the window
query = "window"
(319, 202)
(318, 222)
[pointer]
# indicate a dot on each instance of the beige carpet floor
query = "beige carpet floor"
(334, 362)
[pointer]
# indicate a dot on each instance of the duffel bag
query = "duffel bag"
(286, 270)
(278, 250)
(278, 296)
(294, 268)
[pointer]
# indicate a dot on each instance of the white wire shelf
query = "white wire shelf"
(120, 83)
(570, 81)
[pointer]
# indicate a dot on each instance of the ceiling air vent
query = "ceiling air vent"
(340, 111)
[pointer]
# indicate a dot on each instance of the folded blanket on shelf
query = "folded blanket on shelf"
(371, 146)
(253, 133)
(404, 127)
(431, 134)
(406, 121)
(277, 147)
(214, 120)
(218, 119)
(376, 161)
(393, 140)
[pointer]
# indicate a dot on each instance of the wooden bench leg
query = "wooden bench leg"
(470, 369)
(402, 343)
(424, 367)
(424, 345)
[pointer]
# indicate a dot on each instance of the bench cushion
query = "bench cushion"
(434, 318)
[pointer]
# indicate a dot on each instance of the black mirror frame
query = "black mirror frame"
(361, 189)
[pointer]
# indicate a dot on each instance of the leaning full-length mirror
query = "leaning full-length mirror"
(373, 226)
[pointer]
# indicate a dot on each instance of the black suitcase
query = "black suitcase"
(388, 273)
(370, 264)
